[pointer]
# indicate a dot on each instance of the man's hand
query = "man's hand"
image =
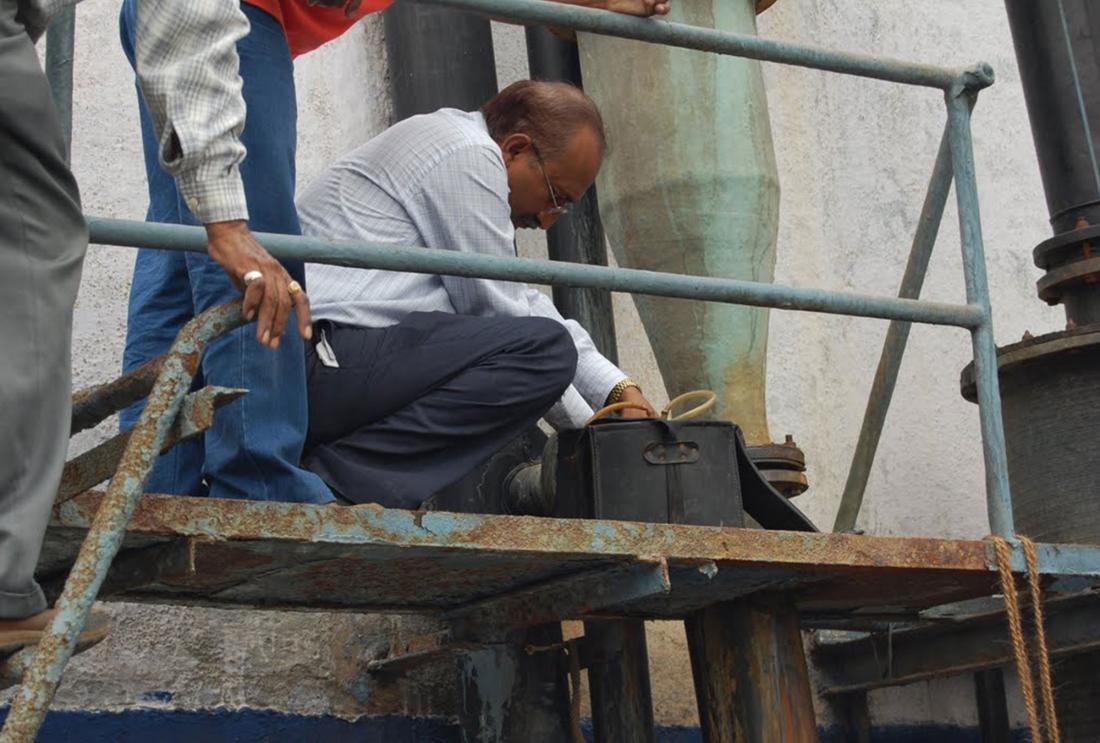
(635, 396)
(268, 298)
(643, 8)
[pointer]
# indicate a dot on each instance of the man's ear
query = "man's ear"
(513, 145)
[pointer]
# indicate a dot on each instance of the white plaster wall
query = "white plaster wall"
(854, 157)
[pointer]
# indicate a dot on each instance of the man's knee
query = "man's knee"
(556, 352)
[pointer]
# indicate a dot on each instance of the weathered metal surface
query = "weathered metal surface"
(95, 404)
(491, 620)
(418, 533)
(980, 642)
(897, 337)
(618, 681)
(708, 40)
(751, 680)
(1079, 341)
(998, 499)
(510, 694)
(298, 555)
(572, 597)
(418, 651)
(87, 470)
(1073, 277)
(782, 465)
(135, 568)
(1050, 398)
(105, 535)
(555, 273)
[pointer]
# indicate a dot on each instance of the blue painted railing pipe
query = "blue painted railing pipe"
(998, 498)
(739, 45)
(558, 273)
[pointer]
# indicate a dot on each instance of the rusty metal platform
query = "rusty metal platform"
(253, 554)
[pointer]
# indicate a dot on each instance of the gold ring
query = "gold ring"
(293, 288)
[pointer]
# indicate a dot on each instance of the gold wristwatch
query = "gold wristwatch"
(616, 394)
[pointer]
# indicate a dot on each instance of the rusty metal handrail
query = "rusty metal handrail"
(105, 536)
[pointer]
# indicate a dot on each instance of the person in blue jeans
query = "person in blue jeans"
(253, 449)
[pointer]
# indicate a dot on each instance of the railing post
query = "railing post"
(999, 502)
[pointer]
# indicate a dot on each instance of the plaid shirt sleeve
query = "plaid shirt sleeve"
(188, 68)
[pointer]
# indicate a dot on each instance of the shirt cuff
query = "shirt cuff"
(596, 381)
(214, 198)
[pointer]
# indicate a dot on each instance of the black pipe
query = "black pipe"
(438, 58)
(1059, 59)
(1058, 54)
(578, 236)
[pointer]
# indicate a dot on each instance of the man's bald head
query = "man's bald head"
(551, 113)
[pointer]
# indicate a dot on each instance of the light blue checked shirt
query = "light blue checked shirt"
(438, 181)
(188, 67)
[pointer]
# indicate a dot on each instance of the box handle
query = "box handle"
(671, 452)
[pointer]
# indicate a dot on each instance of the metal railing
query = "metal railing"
(954, 163)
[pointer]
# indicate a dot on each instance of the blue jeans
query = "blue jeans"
(253, 449)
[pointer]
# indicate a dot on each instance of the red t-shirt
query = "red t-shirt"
(308, 27)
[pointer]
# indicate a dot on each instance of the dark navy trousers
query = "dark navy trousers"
(414, 407)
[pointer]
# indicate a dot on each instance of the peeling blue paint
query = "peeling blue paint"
(164, 697)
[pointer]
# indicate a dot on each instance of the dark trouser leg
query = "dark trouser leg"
(42, 244)
(415, 406)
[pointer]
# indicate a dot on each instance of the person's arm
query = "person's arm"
(596, 375)
(187, 65)
(462, 205)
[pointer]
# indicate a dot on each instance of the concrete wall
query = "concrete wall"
(854, 157)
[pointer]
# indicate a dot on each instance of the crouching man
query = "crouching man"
(416, 379)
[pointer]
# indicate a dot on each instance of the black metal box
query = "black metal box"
(650, 470)
(657, 471)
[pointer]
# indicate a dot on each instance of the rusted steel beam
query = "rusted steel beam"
(979, 643)
(138, 567)
(526, 535)
(410, 651)
(571, 597)
(283, 554)
(751, 680)
(106, 533)
(491, 620)
(96, 404)
(98, 464)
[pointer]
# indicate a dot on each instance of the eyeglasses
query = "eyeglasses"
(558, 209)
